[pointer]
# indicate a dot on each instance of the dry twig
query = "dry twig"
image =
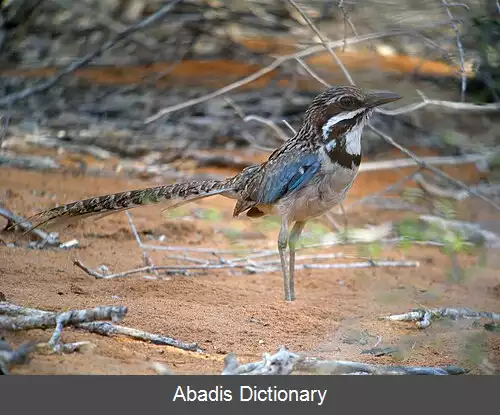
(59, 320)
(432, 160)
(433, 169)
(423, 317)
(108, 329)
(324, 42)
(50, 239)
(146, 258)
(61, 348)
(460, 48)
(269, 68)
(285, 363)
(99, 327)
(438, 191)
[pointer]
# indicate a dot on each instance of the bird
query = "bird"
(306, 176)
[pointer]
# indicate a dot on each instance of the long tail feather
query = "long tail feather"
(174, 195)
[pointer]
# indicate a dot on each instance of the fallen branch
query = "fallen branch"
(423, 317)
(153, 268)
(249, 266)
(48, 142)
(60, 348)
(46, 238)
(98, 327)
(59, 320)
(347, 265)
(284, 363)
(108, 329)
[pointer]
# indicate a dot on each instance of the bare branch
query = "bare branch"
(388, 189)
(410, 162)
(347, 20)
(434, 170)
(324, 41)
(146, 258)
(452, 105)
(312, 73)
(271, 124)
(347, 265)
(437, 191)
(44, 85)
(460, 48)
(264, 71)
(285, 363)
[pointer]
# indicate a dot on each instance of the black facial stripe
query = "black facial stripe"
(338, 153)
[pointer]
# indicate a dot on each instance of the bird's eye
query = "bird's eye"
(349, 103)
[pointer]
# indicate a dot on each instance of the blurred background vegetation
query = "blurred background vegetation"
(197, 46)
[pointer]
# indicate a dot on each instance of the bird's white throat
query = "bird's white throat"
(352, 138)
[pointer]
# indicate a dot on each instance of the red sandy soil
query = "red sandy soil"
(335, 315)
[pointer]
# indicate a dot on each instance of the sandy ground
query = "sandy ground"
(335, 314)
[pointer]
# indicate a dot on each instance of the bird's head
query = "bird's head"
(341, 109)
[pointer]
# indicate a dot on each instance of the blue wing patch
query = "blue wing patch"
(288, 177)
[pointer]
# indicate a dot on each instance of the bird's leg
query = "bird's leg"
(292, 241)
(282, 244)
(344, 216)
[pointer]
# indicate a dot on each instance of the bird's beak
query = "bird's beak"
(376, 98)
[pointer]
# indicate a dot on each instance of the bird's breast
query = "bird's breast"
(326, 189)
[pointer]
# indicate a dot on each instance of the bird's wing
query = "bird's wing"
(286, 175)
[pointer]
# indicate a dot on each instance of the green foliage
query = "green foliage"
(412, 195)
(176, 212)
(313, 234)
(445, 208)
(372, 250)
(234, 235)
(493, 327)
(208, 214)
(269, 223)
(411, 230)
(453, 243)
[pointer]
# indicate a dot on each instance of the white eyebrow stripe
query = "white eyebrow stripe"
(339, 117)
